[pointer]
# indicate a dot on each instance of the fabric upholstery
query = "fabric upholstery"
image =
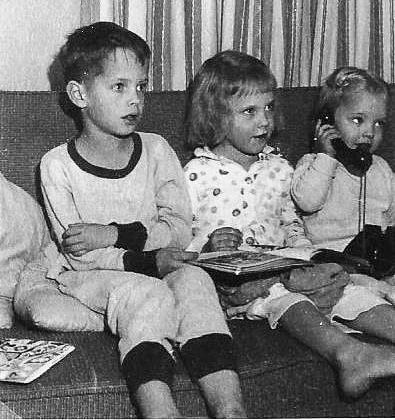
(280, 377)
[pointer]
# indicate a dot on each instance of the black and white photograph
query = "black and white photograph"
(197, 209)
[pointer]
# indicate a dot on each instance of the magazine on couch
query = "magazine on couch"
(23, 360)
(247, 262)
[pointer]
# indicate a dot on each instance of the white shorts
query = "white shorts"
(355, 300)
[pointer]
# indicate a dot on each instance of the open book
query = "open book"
(322, 255)
(23, 360)
(301, 253)
(246, 262)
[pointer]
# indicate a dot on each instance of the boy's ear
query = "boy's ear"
(77, 93)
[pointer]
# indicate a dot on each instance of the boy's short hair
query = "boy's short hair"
(346, 80)
(83, 55)
(225, 75)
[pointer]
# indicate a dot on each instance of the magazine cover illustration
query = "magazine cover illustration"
(23, 360)
(239, 262)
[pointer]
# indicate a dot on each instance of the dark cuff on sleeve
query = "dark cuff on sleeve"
(143, 262)
(131, 236)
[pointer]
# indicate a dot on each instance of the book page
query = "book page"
(23, 360)
(302, 253)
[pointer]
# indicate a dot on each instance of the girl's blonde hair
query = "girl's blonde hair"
(220, 78)
(348, 80)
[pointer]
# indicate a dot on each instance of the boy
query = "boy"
(118, 206)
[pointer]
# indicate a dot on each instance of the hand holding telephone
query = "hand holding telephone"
(356, 161)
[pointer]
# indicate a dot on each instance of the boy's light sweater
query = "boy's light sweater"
(151, 190)
(330, 197)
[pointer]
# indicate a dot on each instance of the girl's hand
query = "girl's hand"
(170, 259)
(81, 238)
(324, 134)
(224, 239)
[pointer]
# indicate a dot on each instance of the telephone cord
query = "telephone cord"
(362, 210)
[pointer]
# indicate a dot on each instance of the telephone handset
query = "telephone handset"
(357, 161)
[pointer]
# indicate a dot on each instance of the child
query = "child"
(353, 110)
(357, 103)
(23, 234)
(240, 195)
(117, 203)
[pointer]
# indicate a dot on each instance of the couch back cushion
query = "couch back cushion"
(31, 123)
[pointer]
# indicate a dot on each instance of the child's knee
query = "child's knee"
(191, 279)
(148, 291)
(148, 361)
(148, 305)
(208, 354)
(273, 307)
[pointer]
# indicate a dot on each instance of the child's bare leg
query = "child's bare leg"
(155, 401)
(378, 321)
(210, 361)
(221, 391)
(148, 370)
(358, 364)
(207, 346)
(142, 313)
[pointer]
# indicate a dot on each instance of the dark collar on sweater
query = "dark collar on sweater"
(105, 172)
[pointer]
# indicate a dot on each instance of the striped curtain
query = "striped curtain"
(302, 40)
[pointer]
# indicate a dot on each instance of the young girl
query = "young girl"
(240, 195)
(356, 102)
(352, 109)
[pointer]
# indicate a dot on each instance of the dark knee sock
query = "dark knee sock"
(208, 354)
(146, 362)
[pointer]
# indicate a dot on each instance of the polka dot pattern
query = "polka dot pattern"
(257, 201)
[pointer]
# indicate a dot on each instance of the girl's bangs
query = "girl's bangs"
(251, 88)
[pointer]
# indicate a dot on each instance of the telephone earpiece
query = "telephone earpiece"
(357, 161)
(326, 117)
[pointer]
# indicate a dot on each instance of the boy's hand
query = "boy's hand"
(81, 238)
(224, 239)
(170, 259)
(324, 134)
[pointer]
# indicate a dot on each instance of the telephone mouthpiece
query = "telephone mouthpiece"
(364, 147)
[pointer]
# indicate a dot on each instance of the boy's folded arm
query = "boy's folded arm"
(109, 258)
(312, 180)
(131, 236)
(143, 262)
(172, 229)
(62, 213)
(157, 263)
(173, 226)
